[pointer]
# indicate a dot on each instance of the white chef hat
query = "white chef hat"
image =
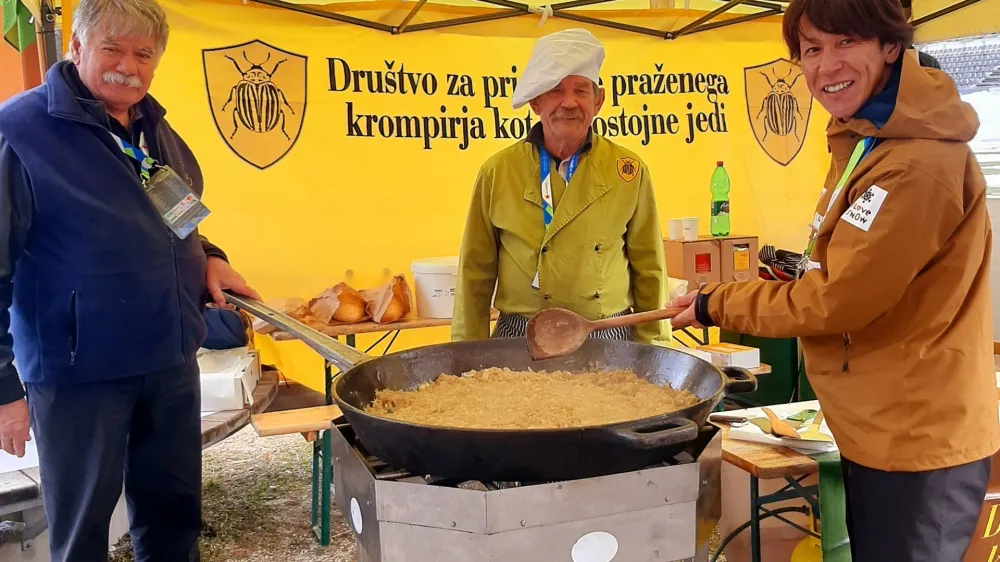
(573, 52)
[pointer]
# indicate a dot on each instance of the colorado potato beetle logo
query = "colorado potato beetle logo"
(779, 106)
(257, 96)
(628, 168)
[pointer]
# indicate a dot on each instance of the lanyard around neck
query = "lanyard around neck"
(864, 146)
(548, 205)
(139, 155)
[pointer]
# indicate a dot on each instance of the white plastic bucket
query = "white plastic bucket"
(434, 281)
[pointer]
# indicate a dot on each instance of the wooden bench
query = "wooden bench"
(22, 517)
(307, 421)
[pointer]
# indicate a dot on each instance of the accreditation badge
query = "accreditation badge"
(181, 210)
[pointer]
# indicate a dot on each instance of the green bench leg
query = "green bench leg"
(324, 532)
(322, 469)
(315, 485)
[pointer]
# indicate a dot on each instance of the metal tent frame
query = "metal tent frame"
(563, 10)
(51, 53)
(558, 10)
(907, 6)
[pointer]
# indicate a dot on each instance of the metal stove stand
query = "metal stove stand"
(662, 513)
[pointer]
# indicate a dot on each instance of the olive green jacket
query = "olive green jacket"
(602, 253)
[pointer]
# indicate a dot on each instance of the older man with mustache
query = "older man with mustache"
(104, 282)
(564, 218)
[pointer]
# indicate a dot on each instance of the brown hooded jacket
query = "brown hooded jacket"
(895, 317)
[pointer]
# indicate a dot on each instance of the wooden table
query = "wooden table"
(340, 329)
(765, 461)
(220, 425)
(769, 462)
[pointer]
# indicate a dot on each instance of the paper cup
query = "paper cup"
(676, 229)
(690, 227)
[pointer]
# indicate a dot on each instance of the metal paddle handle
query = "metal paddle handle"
(343, 356)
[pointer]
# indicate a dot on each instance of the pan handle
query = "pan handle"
(654, 434)
(739, 380)
(343, 356)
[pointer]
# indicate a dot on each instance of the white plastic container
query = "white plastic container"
(676, 229)
(690, 228)
(434, 281)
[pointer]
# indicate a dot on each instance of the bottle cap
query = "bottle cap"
(719, 163)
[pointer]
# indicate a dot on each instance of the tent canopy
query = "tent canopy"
(936, 20)
(668, 19)
(940, 20)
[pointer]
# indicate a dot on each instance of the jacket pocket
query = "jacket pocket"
(73, 327)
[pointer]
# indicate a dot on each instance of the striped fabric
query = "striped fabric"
(515, 326)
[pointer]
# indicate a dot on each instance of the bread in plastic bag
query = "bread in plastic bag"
(340, 303)
(390, 302)
(295, 307)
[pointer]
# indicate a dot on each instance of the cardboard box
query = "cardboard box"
(732, 355)
(694, 352)
(695, 261)
(228, 378)
(738, 258)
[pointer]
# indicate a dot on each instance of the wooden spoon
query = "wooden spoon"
(812, 433)
(557, 331)
(780, 427)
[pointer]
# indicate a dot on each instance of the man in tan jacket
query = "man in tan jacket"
(892, 304)
(564, 218)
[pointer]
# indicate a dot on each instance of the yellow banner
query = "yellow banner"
(331, 150)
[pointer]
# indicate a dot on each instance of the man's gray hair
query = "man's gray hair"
(119, 18)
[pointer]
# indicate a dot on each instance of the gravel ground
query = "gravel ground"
(256, 503)
(713, 545)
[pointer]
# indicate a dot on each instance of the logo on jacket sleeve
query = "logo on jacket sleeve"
(257, 95)
(862, 212)
(779, 106)
(628, 168)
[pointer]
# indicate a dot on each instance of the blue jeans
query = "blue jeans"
(145, 430)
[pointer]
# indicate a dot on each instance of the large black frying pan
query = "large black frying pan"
(516, 455)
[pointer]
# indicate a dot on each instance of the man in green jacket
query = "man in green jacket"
(565, 218)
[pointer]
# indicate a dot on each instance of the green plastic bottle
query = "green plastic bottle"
(720, 201)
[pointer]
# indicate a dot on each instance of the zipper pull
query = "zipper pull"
(847, 347)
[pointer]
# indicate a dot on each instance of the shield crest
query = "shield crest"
(779, 106)
(257, 95)
(628, 169)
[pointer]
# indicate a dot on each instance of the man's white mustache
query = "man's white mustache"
(131, 81)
